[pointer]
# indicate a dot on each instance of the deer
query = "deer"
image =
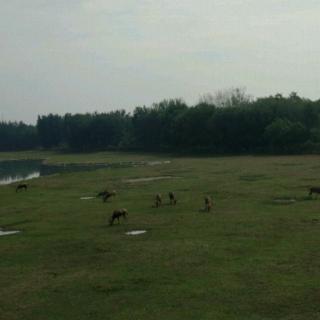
(314, 190)
(117, 214)
(158, 200)
(22, 186)
(207, 203)
(106, 195)
(173, 199)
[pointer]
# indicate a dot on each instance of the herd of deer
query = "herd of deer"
(118, 213)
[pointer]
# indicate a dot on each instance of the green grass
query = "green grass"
(250, 258)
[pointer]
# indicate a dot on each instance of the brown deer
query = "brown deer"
(117, 214)
(314, 190)
(21, 186)
(101, 194)
(158, 200)
(207, 203)
(173, 199)
(108, 195)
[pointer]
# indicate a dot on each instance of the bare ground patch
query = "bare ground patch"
(284, 201)
(147, 179)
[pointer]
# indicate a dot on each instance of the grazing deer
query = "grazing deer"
(158, 200)
(207, 203)
(108, 195)
(22, 186)
(117, 214)
(101, 194)
(173, 199)
(314, 190)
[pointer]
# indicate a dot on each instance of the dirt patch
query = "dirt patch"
(253, 177)
(135, 232)
(312, 221)
(289, 164)
(284, 201)
(156, 163)
(147, 179)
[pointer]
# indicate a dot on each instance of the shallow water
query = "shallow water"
(19, 170)
(12, 179)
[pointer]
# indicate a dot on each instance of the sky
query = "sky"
(59, 56)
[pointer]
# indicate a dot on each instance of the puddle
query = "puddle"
(135, 232)
(7, 233)
(87, 198)
(147, 179)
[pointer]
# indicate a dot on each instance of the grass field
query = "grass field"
(251, 258)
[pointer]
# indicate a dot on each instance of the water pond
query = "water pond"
(19, 170)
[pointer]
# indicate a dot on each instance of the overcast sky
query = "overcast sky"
(84, 55)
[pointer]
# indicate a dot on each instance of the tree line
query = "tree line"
(18, 136)
(229, 122)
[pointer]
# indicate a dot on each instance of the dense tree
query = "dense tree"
(284, 136)
(228, 122)
(192, 128)
(96, 131)
(17, 136)
(50, 130)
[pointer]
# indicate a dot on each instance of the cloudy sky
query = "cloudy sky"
(84, 55)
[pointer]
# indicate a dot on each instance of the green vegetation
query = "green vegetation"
(230, 123)
(251, 258)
